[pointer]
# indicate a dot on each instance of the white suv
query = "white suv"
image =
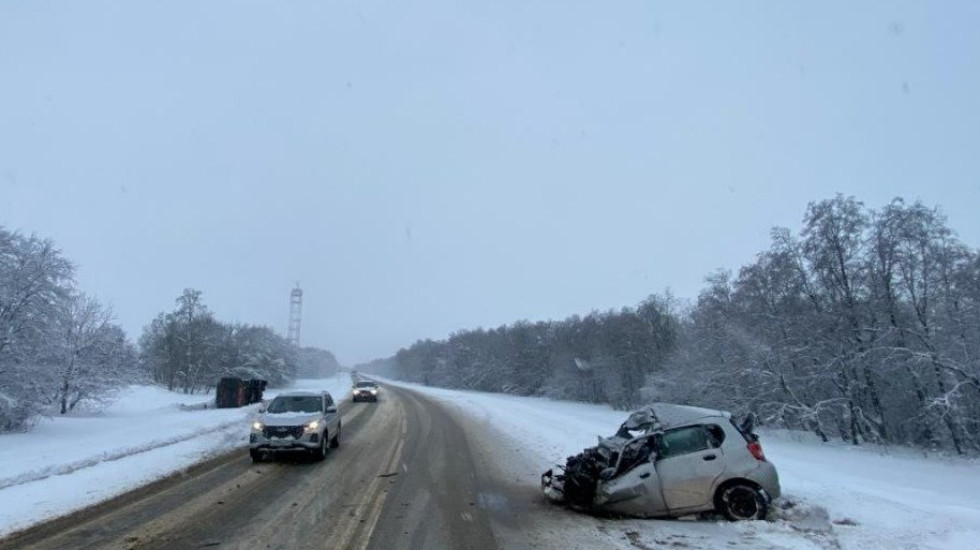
(296, 421)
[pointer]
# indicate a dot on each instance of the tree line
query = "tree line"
(60, 347)
(189, 350)
(603, 357)
(865, 325)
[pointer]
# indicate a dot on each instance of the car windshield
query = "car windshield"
(366, 385)
(295, 403)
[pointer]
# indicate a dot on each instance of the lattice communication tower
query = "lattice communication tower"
(295, 315)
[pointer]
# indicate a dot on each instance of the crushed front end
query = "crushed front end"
(576, 482)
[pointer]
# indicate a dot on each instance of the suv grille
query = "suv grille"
(283, 431)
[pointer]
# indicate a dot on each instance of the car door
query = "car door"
(689, 460)
(332, 414)
(635, 489)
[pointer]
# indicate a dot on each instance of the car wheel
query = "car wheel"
(321, 452)
(335, 442)
(257, 456)
(741, 501)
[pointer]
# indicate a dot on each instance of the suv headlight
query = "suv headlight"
(374, 392)
(312, 426)
(257, 426)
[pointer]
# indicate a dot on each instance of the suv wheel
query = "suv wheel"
(257, 456)
(741, 501)
(335, 442)
(321, 452)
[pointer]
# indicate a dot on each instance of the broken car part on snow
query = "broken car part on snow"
(667, 461)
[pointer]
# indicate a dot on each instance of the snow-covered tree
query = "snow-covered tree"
(190, 350)
(865, 327)
(34, 279)
(89, 356)
(57, 346)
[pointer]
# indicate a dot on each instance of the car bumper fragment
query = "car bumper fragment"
(551, 485)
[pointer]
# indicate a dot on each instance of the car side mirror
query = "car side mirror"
(332, 409)
(261, 410)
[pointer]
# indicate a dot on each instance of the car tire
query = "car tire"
(742, 501)
(257, 456)
(321, 452)
(335, 442)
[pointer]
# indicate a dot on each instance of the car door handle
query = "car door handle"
(709, 457)
(644, 475)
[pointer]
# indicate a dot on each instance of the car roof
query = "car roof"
(671, 415)
(300, 393)
(664, 416)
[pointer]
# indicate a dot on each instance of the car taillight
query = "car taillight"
(756, 449)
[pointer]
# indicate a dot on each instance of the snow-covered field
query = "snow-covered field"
(836, 495)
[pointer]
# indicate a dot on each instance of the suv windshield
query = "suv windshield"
(296, 403)
(366, 385)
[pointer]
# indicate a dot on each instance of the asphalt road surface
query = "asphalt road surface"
(405, 476)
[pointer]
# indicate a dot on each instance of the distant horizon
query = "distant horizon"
(681, 301)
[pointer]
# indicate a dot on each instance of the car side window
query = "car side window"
(328, 401)
(716, 435)
(684, 440)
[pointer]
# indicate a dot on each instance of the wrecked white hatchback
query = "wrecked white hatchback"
(669, 461)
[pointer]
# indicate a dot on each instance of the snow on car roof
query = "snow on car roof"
(670, 414)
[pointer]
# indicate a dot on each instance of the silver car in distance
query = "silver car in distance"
(365, 390)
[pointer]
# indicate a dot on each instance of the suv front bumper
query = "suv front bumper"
(272, 440)
(365, 396)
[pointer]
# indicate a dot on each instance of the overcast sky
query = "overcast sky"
(427, 166)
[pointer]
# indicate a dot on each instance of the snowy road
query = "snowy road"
(431, 468)
(403, 477)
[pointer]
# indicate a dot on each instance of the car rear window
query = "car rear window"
(749, 437)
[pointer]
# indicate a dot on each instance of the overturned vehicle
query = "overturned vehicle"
(669, 461)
